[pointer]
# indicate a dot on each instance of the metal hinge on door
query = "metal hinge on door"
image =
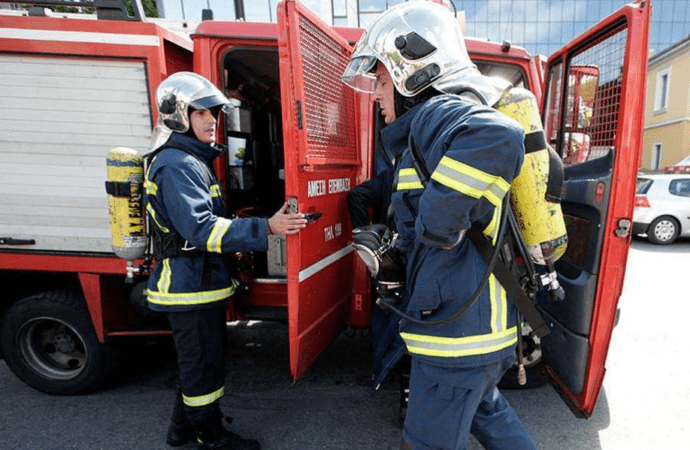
(623, 230)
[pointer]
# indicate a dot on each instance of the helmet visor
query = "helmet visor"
(358, 74)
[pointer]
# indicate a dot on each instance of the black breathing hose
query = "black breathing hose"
(477, 291)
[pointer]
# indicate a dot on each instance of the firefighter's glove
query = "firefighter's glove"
(375, 245)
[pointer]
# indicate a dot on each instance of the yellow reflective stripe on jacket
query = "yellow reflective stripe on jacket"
(470, 181)
(152, 213)
(151, 187)
(215, 239)
(203, 400)
(499, 305)
(165, 280)
(446, 347)
(215, 191)
(491, 229)
(408, 179)
(164, 297)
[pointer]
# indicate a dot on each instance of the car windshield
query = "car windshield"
(643, 185)
(683, 162)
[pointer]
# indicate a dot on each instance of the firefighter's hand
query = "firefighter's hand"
(284, 223)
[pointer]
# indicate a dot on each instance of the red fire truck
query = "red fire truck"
(73, 88)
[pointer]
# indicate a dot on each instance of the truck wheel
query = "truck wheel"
(663, 230)
(49, 342)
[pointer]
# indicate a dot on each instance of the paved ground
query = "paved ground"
(644, 404)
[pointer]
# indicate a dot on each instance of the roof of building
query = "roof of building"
(670, 50)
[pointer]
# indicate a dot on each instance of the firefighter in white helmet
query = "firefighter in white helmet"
(435, 102)
(192, 281)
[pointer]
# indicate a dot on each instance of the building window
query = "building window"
(663, 80)
(656, 156)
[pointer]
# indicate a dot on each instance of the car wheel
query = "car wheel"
(663, 230)
(49, 342)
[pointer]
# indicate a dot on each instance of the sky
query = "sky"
(541, 26)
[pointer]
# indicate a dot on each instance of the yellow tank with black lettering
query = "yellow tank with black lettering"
(540, 219)
(125, 178)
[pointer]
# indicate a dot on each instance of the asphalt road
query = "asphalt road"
(644, 404)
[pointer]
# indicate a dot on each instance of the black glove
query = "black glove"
(375, 244)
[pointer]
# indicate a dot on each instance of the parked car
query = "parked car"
(662, 207)
(682, 166)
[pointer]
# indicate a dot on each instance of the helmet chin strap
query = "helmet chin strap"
(404, 104)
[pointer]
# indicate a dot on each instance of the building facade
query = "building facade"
(667, 111)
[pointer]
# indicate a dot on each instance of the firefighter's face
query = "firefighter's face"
(384, 94)
(203, 123)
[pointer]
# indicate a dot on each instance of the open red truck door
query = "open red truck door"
(322, 162)
(594, 97)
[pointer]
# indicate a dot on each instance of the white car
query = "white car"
(662, 207)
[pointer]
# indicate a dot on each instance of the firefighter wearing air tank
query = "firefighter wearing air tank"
(432, 97)
(191, 281)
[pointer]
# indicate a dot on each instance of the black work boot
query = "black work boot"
(212, 435)
(180, 430)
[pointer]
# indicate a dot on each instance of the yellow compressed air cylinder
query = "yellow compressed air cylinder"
(125, 178)
(540, 220)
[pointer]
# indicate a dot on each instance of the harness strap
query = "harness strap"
(509, 283)
(535, 142)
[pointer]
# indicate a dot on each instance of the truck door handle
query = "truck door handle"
(16, 241)
(311, 217)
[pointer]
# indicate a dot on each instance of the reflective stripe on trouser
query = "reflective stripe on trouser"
(447, 404)
(199, 337)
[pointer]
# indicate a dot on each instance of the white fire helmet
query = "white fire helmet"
(421, 44)
(176, 94)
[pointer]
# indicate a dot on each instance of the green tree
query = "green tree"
(150, 9)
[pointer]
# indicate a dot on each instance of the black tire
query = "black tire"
(663, 230)
(49, 342)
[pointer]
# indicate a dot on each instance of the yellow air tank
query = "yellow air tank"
(538, 212)
(125, 177)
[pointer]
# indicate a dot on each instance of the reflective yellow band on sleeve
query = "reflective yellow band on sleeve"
(215, 240)
(445, 347)
(470, 181)
(215, 191)
(408, 179)
(203, 400)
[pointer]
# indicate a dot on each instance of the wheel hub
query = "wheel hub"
(52, 348)
(63, 343)
(664, 230)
